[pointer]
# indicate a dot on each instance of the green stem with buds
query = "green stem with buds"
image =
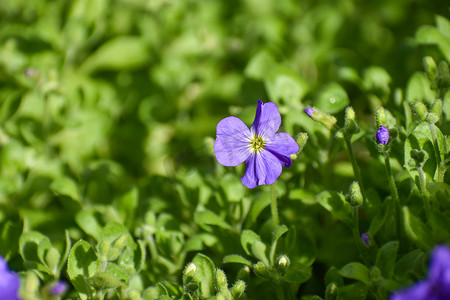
(351, 155)
(274, 206)
(394, 195)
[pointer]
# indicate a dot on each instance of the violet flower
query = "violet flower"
(263, 150)
(383, 135)
(59, 288)
(365, 239)
(9, 282)
(437, 285)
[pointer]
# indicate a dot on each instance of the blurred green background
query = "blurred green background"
(100, 96)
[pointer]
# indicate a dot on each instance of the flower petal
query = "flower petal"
(232, 142)
(420, 291)
(282, 144)
(267, 119)
(439, 272)
(263, 168)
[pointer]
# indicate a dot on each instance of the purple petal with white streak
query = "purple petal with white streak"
(263, 168)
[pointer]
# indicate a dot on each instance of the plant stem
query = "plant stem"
(274, 207)
(279, 291)
(351, 154)
(357, 236)
(394, 195)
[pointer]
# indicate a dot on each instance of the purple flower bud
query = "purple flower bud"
(365, 239)
(309, 111)
(9, 282)
(383, 135)
(59, 288)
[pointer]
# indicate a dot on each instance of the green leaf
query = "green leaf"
(297, 273)
(357, 291)
(413, 262)
(9, 238)
(279, 232)
(380, 218)
(416, 230)
(443, 25)
(258, 205)
(386, 258)
(332, 99)
(89, 222)
(65, 186)
(121, 52)
(207, 217)
(233, 258)
(127, 204)
(204, 274)
(258, 250)
(154, 292)
(431, 35)
(418, 89)
(333, 275)
(335, 203)
(82, 264)
(33, 248)
(259, 65)
(356, 271)
(248, 237)
(283, 83)
(232, 187)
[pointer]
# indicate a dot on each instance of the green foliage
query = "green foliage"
(108, 179)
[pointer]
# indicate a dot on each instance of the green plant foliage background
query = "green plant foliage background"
(108, 110)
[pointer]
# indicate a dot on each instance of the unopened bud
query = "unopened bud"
(116, 247)
(430, 67)
(238, 289)
(103, 249)
(321, 117)
(382, 135)
(189, 273)
(283, 263)
(355, 198)
(365, 239)
(421, 110)
(244, 273)
(221, 279)
(435, 112)
(350, 125)
(260, 269)
(380, 117)
(331, 292)
(301, 140)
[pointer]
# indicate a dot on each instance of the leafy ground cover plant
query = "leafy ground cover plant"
(114, 177)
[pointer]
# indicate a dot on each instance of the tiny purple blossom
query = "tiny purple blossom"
(9, 282)
(365, 239)
(309, 111)
(263, 150)
(59, 288)
(437, 285)
(383, 135)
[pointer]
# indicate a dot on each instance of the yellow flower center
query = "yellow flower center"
(257, 143)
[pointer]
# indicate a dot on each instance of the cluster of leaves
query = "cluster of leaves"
(107, 176)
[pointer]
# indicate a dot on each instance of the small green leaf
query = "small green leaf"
(357, 291)
(127, 204)
(332, 99)
(104, 280)
(297, 273)
(279, 232)
(333, 275)
(356, 271)
(207, 217)
(233, 258)
(416, 230)
(204, 274)
(258, 250)
(82, 264)
(122, 52)
(418, 89)
(248, 237)
(413, 262)
(431, 35)
(386, 258)
(335, 203)
(65, 186)
(258, 205)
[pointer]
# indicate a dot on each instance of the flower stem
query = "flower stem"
(274, 207)
(351, 155)
(394, 195)
(357, 235)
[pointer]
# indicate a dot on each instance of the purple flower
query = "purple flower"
(59, 288)
(365, 239)
(383, 135)
(263, 150)
(9, 282)
(437, 286)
